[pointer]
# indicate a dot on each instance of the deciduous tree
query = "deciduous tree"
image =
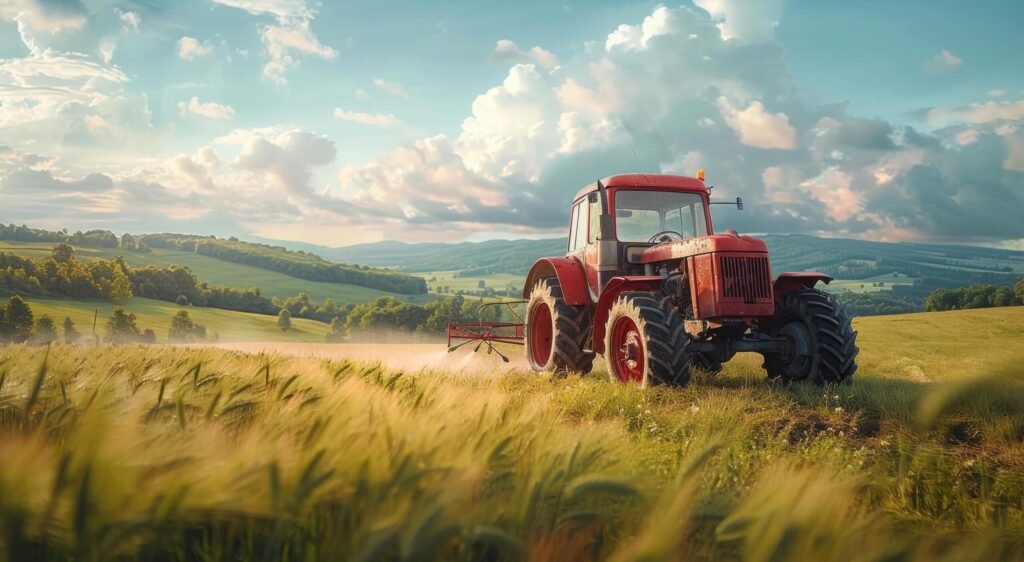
(45, 331)
(71, 335)
(284, 320)
(121, 327)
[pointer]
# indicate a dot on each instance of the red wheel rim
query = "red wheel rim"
(627, 350)
(540, 334)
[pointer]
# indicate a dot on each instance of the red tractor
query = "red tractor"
(648, 284)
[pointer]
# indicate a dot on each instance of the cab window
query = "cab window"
(595, 221)
(580, 235)
(573, 223)
(642, 214)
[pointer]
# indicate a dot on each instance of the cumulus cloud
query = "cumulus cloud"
(393, 88)
(39, 21)
(289, 37)
(507, 51)
(943, 62)
(978, 113)
(287, 159)
(757, 127)
(42, 197)
(281, 9)
(190, 48)
(376, 119)
(210, 110)
(285, 40)
(750, 22)
(131, 20)
(67, 99)
(689, 91)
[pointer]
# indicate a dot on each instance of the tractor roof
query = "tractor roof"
(663, 181)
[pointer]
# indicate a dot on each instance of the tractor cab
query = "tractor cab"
(643, 210)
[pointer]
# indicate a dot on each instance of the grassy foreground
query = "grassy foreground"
(160, 453)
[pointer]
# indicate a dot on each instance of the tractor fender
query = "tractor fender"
(571, 278)
(615, 287)
(789, 282)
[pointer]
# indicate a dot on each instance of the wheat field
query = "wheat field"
(171, 453)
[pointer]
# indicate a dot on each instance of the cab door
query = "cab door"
(591, 252)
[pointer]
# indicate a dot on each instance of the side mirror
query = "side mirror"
(739, 203)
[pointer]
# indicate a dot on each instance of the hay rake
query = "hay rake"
(486, 333)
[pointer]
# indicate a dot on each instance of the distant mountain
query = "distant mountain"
(852, 258)
(498, 256)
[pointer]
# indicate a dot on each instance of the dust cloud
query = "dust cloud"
(405, 356)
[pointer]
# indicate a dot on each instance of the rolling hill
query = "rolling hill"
(220, 272)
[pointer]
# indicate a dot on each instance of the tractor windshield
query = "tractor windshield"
(640, 214)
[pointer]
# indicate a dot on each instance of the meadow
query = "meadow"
(219, 272)
(169, 453)
(228, 325)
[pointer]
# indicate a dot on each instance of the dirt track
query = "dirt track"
(409, 356)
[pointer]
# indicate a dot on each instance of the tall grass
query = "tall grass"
(150, 453)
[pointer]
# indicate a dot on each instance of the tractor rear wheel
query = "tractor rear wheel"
(825, 345)
(556, 333)
(645, 341)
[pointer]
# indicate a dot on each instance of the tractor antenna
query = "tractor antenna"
(637, 160)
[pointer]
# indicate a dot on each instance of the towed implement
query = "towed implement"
(648, 284)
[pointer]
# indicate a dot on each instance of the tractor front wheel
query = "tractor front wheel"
(556, 333)
(645, 341)
(824, 345)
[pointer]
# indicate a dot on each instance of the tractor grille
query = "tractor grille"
(746, 277)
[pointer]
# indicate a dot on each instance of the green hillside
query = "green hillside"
(301, 264)
(219, 272)
(156, 315)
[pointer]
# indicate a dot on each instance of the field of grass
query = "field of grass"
(868, 285)
(227, 324)
(161, 453)
(219, 272)
(498, 281)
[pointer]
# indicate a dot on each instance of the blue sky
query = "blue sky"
(339, 122)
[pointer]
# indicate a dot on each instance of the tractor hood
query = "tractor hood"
(678, 249)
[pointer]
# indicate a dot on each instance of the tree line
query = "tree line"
(300, 264)
(19, 324)
(63, 275)
(303, 265)
(22, 233)
(384, 315)
(975, 296)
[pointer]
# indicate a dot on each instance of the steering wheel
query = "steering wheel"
(664, 236)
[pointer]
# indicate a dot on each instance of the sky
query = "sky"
(337, 123)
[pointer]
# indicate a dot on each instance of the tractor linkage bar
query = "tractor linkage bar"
(487, 333)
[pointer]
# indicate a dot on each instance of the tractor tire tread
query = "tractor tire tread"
(667, 360)
(571, 334)
(832, 335)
